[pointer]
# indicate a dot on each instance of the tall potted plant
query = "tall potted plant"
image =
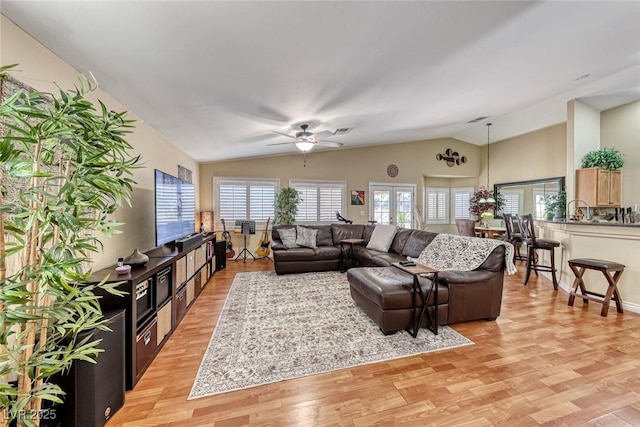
(65, 167)
(287, 206)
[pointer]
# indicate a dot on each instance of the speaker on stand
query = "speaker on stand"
(94, 392)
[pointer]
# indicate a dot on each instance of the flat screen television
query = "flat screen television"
(175, 202)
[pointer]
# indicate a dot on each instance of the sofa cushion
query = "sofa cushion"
(388, 258)
(400, 239)
(346, 231)
(307, 254)
(288, 237)
(366, 234)
(382, 237)
(306, 237)
(324, 237)
(417, 241)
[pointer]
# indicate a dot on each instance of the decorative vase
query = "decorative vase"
(136, 258)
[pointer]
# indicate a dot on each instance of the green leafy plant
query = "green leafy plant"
(286, 206)
(606, 158)
(556, 202)
(64, 168)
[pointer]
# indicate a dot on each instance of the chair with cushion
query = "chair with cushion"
(529, 238)
(466, 227)
(513, 235)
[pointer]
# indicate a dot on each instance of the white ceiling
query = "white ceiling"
(217, 77)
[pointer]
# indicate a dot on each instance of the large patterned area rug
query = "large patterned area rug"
(274, 328)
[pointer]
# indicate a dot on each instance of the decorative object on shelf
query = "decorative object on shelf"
(478, 203)
(486, 216)
(451, 157)
(357, 197)
(136, 258)
(57, 149)
(392, 170)
(287, 201)
(123, 269)
(605, 158)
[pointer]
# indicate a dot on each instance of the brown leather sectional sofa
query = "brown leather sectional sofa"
(383, 291)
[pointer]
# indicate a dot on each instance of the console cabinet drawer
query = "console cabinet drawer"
(181, 304)
(181, 272)
(191, 291)
(146, 345)
(164, 321)
(198, 282)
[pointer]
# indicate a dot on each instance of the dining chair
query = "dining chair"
(466, 227)
(533, 243)
(513, 235)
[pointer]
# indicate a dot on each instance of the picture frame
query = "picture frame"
(357, 197)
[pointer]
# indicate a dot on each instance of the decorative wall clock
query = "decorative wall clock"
(392, 170)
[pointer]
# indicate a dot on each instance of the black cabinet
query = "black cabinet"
(156, 299)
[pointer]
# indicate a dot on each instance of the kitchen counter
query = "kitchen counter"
(597, 223)
(608, 241)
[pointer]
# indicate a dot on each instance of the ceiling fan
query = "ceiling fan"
(306, 140)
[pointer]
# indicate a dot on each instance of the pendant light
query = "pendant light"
(490, 198)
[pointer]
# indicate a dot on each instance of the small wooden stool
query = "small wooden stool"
(579, 266)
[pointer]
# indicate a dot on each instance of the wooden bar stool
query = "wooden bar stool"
(579, 266)
(533, 243)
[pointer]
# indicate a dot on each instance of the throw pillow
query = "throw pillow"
(382, 237)
(306, 237)
(288, 237)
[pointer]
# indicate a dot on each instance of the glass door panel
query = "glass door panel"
(392, 205)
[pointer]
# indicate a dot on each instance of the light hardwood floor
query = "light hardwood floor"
(540, 363)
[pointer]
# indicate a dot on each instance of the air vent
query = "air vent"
(342, 131)
(478, 119)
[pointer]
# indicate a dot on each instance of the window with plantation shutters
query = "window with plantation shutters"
(437, 205)
(320, 200)
(513, 200)
(237, 199)
(460, 203)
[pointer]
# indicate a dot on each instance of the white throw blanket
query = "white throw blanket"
(452, 252)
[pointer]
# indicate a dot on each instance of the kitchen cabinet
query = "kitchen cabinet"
(599, 187)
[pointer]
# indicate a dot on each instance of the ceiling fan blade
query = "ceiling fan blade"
(329, 144)
(284, 134)
(323, 134)
(281, 143)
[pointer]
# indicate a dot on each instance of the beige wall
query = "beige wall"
(535, 155)
(42, 70)
(620, 129)
(357, 166)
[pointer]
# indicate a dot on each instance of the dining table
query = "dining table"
(490, 232)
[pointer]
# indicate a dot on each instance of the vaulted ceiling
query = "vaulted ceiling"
(218, 77)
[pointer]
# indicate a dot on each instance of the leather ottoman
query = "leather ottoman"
(385, 294)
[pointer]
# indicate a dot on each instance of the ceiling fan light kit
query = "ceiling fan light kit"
(304, 146)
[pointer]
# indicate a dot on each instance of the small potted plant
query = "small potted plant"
(605, 158)
(556, 205)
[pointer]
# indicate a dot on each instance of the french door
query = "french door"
(392, 204)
